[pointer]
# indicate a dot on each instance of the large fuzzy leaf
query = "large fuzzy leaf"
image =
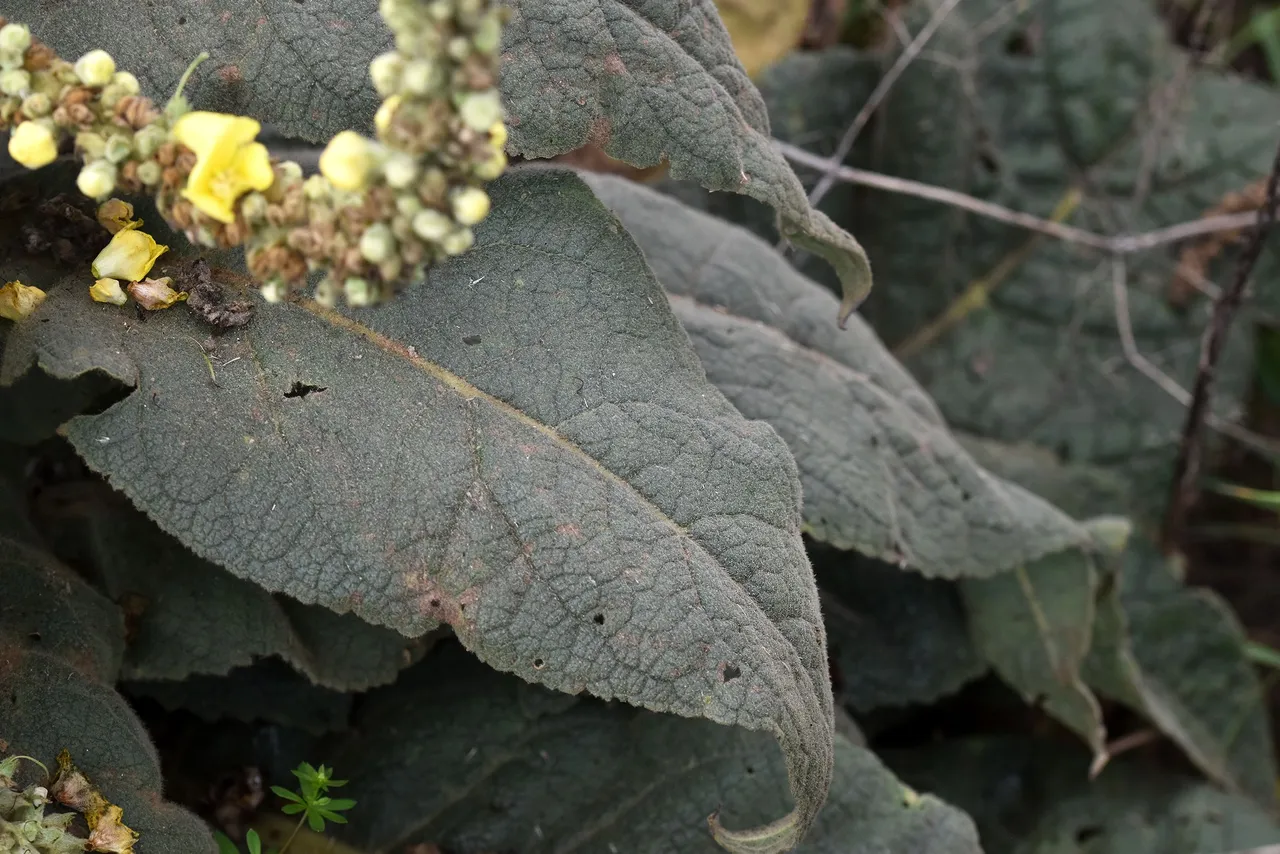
(1033, 624)
(188, 616)
(478, 762)
(1035, 797)
(1176, 655)
(881, 473)
(60, 649)
(525, 448)
(653, 81)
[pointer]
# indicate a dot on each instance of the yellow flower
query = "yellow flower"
(228, 161)
(17, 300)
(155, 294)
(33, 145)
(128, 257)
(347, 161)
(108, 290)
(117, 215)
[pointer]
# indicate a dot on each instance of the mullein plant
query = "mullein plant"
(378, 214)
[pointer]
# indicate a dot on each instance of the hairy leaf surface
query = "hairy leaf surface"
(525, 448)
(881, 473)
(1176, 655)
(478, 762)
(1033, 624)
(60, 649)
(650, 81)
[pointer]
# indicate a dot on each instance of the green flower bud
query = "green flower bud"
(15, 38)
(148, 140)
(431, 225)
(480, 110)
(457, 242)
(316, 188)
(15, 81)
(12, 59)
(488, 35)
(95, 68)
(358, 291)
(37, 105)
(253, 207)
(422, 77)
(408, 204)
(390, 269)
(377, 244)
(126, 82)
(470, 205)
(290, 171)
(118, 149)
(97, 179)
(385, 71)
(327, 292)
(93, 146)
(440, 10)
(400, 170)
(459, 48)
(150, 173)
(274, 290)
(491, 168)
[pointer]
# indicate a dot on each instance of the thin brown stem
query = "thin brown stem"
(1186, 471)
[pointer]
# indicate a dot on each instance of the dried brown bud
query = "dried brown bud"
(135, 111)
(76, 95)
(167, 154)
(38, 57)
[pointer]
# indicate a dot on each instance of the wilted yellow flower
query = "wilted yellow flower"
(111, 835)
(128, 257)
(347, 160)
(117, 215)
(108, 290)
(17, 300)
(155, 294)
(228, 161)
(33, 145)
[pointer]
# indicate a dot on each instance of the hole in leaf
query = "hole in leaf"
(301, 389)
(750, 770)
(35, 636)
(471, 340)
(1019, 44)
(538, 664)
(598, 619)
(435, 603)
(730, 672)
(988, 162)
(964, 495)
(182, 21)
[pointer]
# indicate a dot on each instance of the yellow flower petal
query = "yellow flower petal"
(18, 301)
(228, 161)
(108, 290)
(128, 257)
(117, 215)
(155, 294)
(33, 145)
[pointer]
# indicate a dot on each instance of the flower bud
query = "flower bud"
(408, 204)
(253, 207)
(491, 168)
(15, 81)
(431, 225)
(316, 188)
(290, 171)
(481, 110)
(498, 135)
(440, 10)
(386, 112)
(116, 215)
(150, 173)
(148, 140)
(347, 161)
(92, 145)
(118, 149)
(400, 170)
(459, 48)
(422, 77)
(470, 205)
(109, 291)
(33, 144)
(274, 290)
(488, 35)
(95, 68)
(358, 292)
(384, 71)
(457, 242)
(15, 38)
(377, 244)
(97, 179)
(18, 301)
(126, 83)
(37, 105)
(327, 292)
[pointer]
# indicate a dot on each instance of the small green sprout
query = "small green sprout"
(310, 801)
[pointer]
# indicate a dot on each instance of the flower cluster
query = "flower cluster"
(378, 214)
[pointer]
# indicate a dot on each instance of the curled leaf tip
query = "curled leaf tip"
(773, 838)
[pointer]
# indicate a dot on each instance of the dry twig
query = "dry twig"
(1187, 467)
